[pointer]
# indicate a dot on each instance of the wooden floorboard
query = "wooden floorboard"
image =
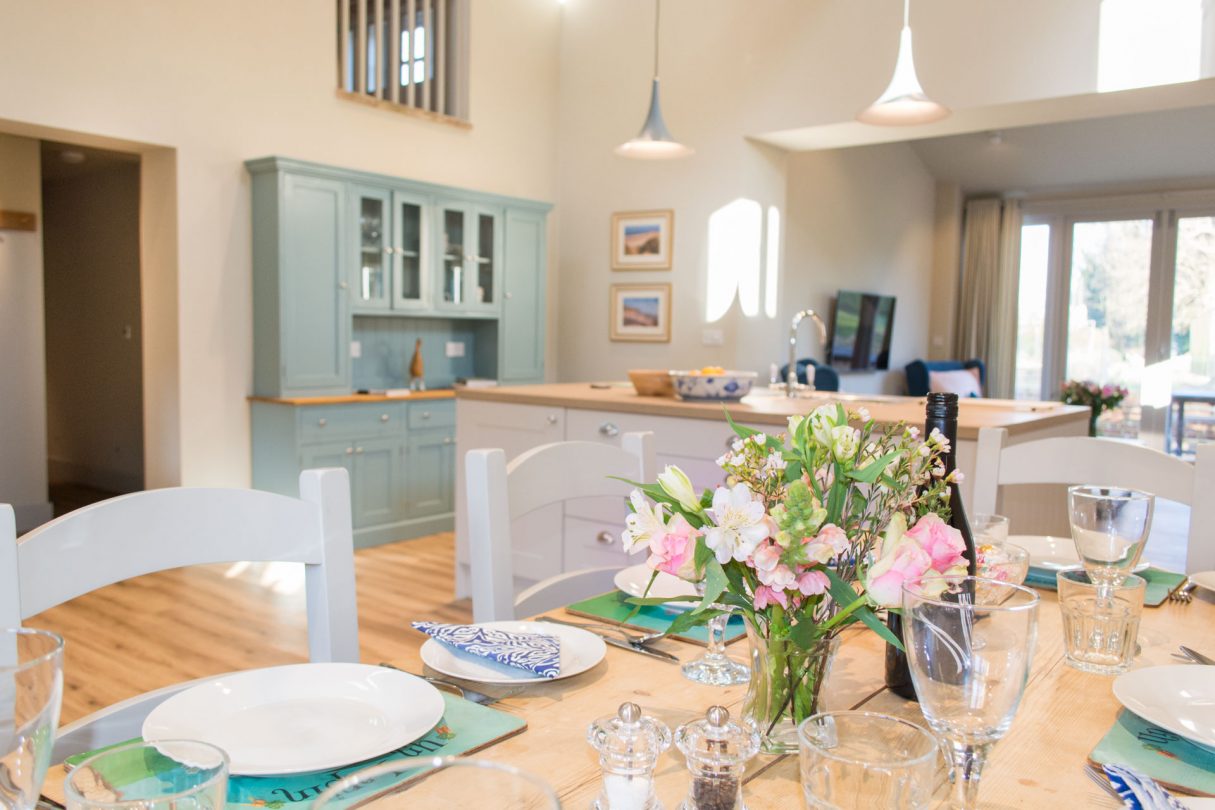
(172, 626)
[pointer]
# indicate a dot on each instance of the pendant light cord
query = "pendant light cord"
(657, 16)
(906, 13)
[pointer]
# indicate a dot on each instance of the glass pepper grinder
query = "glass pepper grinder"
(629, 744)
(717, 752)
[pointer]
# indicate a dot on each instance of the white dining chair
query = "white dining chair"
(499, 493)
(1103, 462)
(145, 532)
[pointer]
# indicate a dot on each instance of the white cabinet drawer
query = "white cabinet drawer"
(673, 436)
(594, 544)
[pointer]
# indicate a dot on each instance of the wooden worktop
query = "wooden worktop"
(344, 399)
(1012, 415)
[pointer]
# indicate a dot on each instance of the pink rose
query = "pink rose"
(812, 583)
(765, 596)
(886, 577)
(942, 542)
(674, 551)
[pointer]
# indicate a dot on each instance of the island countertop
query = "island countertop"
(767, 408)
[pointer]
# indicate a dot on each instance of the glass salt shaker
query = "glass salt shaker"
(717, 752)
(629, 744)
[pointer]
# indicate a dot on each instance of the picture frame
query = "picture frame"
(640, 313)
(642, 240)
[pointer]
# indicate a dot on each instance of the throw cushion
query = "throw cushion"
(964, 382)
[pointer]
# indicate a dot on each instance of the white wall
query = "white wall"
(94, 380)
(22, 364)
(228, 80)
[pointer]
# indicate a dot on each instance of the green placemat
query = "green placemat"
(466, 727)
(1160, 583)
(612, 608)
(1173, 761)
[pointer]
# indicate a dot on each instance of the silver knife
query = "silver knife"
(463, 691)
(639, 648)
(1197, 656)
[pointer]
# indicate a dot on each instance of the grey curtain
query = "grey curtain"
(987, 301)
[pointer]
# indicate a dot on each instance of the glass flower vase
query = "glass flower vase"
(787, 686)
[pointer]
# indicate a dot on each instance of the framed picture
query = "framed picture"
(641, 312)
(642, 240)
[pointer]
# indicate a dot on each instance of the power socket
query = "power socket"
(454, 348)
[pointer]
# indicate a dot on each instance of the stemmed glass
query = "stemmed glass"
(1109, 528)
(715, 667)
(31, 689)
(969, 649)
(442, 782)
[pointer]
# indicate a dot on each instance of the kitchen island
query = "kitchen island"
(692, 435)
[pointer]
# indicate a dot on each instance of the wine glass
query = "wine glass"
(164, 775)
(969, 649)
(31, 689)
(715, 667)
(442, 782)
(1109, 528)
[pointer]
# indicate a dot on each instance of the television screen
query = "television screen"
(861, 326)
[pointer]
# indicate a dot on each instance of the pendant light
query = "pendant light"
(655, 141)
(904, 101)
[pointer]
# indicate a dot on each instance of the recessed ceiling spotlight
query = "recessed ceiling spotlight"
(72, 156)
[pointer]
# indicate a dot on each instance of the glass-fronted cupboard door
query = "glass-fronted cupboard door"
(410, 247)
(371, 282)
(486, 260)
(455, 246)
(471, 242)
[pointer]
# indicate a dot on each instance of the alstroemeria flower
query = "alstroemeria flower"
(674, 552)
(822, 420)
(644, 523)
(812, 583)
(834, 536)
(765, 596)
(817, 552)
(740, 524)
(676, 483)
(941, 542)
(844, 441)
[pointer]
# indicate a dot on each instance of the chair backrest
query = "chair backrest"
(498, 493)
(825, 377)
(917, 373)
(159, 529)
(1103, 462)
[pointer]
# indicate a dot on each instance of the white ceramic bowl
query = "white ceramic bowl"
(728, 386)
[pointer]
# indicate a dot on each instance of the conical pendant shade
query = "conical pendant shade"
(904, 101)
(655, 141)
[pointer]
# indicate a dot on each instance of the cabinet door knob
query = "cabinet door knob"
(608, 429)
(447, 440)
(342, 285)
(425, 414)
(383, 417)
(322, 422)
(606, 538)
(508, 296)
(349, 450)
(358, 450)
(552, 418)
(389, 250)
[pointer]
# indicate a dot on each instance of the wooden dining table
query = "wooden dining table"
(1040, 763)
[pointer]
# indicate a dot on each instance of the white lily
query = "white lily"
(676, 483)
(644, 524)
(740, 524)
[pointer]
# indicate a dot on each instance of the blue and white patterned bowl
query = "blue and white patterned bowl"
(728, 386)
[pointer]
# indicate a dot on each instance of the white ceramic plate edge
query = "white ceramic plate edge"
(1155, 681)
(432, 652)
(1204, 579)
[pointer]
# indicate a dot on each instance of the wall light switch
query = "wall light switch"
(455, 348)
(713, 337)
(356, 348)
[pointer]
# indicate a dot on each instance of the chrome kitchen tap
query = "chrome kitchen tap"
(791, 384)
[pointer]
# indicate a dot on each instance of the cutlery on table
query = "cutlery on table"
(462, 691)
(1184, 593)
(1103, 782)
(637, 645)
(632, 638)
(1197, 657)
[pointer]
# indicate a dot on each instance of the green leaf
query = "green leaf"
(793, 471)
(742, 431)
(843, 593)
(840, 591)
(878, 626)
(804, 634)
(870, 472)
(715, 583)
(691, 618)
(646, 601)
(841, 414)
(702, 554)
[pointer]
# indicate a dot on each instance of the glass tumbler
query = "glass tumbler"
(164, 775)
(441, 783)
(859, 760)
(31, 689)
(1100, 634)
(991, 529)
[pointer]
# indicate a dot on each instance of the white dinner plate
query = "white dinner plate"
(634, 579)
(1179, 698)
(301, 717)
(1055, 553)
(580, 651)
(1204, 579)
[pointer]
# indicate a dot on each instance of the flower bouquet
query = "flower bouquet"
(813, 530)
(1099, 398)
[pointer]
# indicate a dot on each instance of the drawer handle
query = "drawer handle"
(388, 250)
(322, 422)
(606, 538)
(447, 440)
(608, 429)
(551, 418)
(383, 417)
(425, 414)
(358, 450)
(342, 285)
(349, 450)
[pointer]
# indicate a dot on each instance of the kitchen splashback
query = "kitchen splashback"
(386, 347)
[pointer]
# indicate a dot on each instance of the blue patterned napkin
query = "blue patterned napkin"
(538, 654)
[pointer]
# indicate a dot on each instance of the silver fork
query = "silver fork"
(1103, 782)
(1184, 594)
(631, 638)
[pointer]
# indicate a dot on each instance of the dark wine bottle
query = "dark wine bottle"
(940, 413)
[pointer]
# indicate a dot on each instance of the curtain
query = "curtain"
(987, 300)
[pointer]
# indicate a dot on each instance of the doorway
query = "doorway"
(93, 317)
